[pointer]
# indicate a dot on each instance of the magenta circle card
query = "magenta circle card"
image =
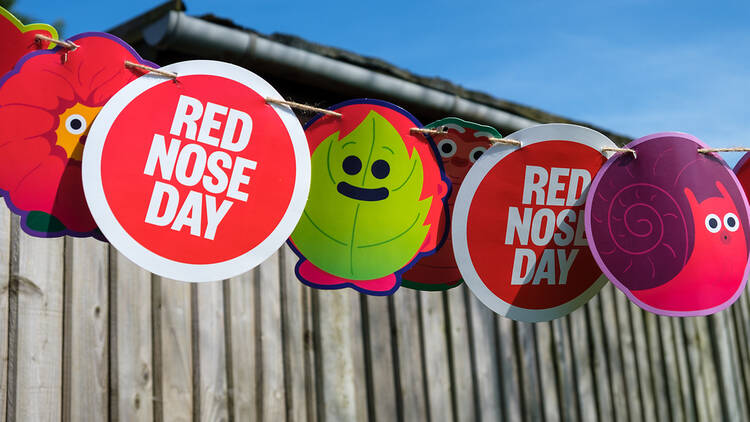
(668, 226)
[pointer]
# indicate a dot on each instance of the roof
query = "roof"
(131, 32)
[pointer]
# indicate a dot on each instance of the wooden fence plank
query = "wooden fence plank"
(86, 373)
(657, 369)
(526, 350)
(175, 315)
(272, 391)
(601, 373)
(582, 365)
(410, 355)
(614, 358)
(645, 378)
(294, 313)
(727, 367)
(545, 348)
(565, 370)
(131, 386)
(708, 369)
(243, 323)
(487, 361)
(742, 328)
(671, 367)
(5, 251)
(384, 403)
(344, 393)
(463, 378)
(213, 375)
(436, 358)
(40, 329)
(627, 349)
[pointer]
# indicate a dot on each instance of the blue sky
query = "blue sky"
(634, 67)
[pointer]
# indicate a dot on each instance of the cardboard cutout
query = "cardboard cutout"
(17, 39)
(669, 228)
(376, 197)
(47, 107)
(198, 178)
(518, 235)
(462, 145)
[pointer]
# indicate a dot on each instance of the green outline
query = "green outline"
(30, 27)
(463, 123)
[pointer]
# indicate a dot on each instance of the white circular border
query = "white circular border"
(116, 234)
(531, 135)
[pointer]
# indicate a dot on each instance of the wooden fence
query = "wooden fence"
(91, 336)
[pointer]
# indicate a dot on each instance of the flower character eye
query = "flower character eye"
(713, 223)
(352, 165)
(731, 222)
(476, 153)
(447, 148)
(75, 124)
(380, 169)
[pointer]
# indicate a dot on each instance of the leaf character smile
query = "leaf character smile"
(362, 194)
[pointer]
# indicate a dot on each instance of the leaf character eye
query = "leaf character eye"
(476, 153)
(380, 169)
(352, 165)
(75, 124)
(731, 222)
(713, 223)
(447, 148)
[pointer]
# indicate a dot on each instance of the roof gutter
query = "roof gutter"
(180, 32)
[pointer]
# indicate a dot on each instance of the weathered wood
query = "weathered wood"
(243, 336)
(741, 316)
(487, 363)
(565, 370)
(728, 371)
(343, 388)
(294, 313)
(40, 329)
(383, 405)
(614, 358)
(526, 350)
(5, 251)
(437, 361)
(461, 341)
(601, 373)
(671, 367)
(708, 369)
(582, 365)
(545, 348)
(627, 349)
(176, 371)
(410, 355)
(213, 375)
(272, 391)
(656, 355)
(86, 372)
(131, 387)
(645, 378)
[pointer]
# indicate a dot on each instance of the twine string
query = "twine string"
(730, 149)
(150, 69)
(426, 131)
(303, 107)
(617, 149)
(506, 141)
(68, 45)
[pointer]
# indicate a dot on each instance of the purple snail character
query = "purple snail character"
(668, 226)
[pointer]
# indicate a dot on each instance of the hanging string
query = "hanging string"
(730, 149)
(416, 130)
(65, 44)
(150, 69)
(505, 141)
(616, 149)
(303, 107)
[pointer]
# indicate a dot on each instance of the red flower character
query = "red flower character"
(47, 105)
(17, 39)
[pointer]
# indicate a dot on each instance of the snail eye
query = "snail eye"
(447, 148)
(476, 153)
(713, 223)
(75, 124)
(352, 165)
(380, 169)
(731, 222)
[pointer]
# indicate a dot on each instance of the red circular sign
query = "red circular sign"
(518, 229)
(200, 178)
